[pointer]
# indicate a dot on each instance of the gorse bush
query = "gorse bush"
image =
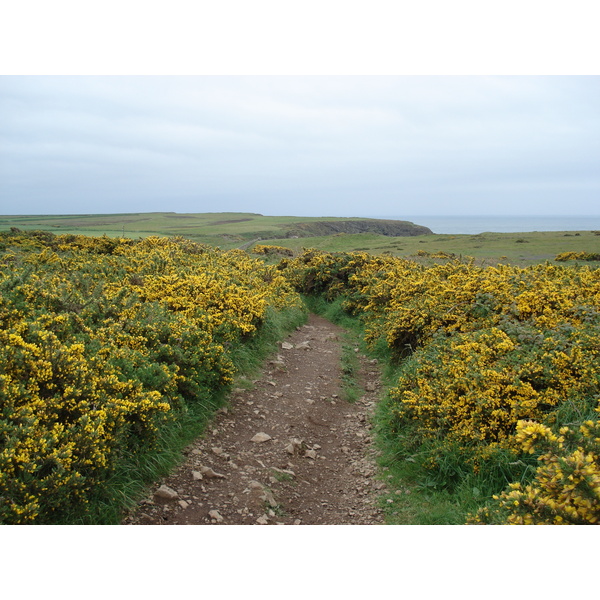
(565, 256)
(483, 349)
(103, 342)
(566, 485)
(106, 343)
(475, 386)
(272, 250)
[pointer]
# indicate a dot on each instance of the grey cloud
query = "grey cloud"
(304, 145)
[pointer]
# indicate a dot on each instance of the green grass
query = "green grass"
(227, 230)
(419, 498)
(486, 248)
(232, 230)
(281, 477)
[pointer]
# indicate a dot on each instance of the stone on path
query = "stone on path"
(214, 514)
(269, 498)
(166, 493)
(208, 472)
(287, 346)
(284, 471)
(294, 446)
(261, 437)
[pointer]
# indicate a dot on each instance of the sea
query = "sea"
(501, 224)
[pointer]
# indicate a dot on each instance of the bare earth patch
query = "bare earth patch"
(288, 451)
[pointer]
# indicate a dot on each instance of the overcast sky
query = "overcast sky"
(294, 145)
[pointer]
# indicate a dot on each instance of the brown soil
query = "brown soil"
(318, 465)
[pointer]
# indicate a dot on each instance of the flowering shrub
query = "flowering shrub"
(406, 303)
(566, 485)
(319, 272)
(472, 388)
(485, 349)
(272, 250)
(102, 342)
(440, 254)
(64, 413)
(565, 256)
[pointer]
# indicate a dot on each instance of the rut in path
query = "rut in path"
(317, 465)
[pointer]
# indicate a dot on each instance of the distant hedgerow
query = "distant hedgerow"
(565, 256)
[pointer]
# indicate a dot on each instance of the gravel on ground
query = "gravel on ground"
(287, 450)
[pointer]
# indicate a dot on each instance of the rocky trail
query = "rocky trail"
(289, 450)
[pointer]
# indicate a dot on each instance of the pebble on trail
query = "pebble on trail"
(166, 493)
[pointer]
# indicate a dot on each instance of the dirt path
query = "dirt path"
(317, 465)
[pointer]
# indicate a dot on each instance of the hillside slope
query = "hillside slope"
(379, 226)
(222, 229)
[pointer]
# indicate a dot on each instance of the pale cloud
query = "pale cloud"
(300, 145)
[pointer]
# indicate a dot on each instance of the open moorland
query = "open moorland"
(332, 234)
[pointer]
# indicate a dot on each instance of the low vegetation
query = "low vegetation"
(497, 378)
(271, 250)
(226, 230)
(111, 352)
(115, 352)
(587, 256)
(376, 236)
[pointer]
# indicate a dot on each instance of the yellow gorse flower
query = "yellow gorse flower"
(488, 349)
(101, 341)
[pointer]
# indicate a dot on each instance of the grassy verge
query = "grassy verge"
(417, 498)
(136, 472)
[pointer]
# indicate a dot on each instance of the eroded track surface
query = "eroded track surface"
(316, 464)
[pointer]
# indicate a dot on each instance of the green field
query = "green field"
(226, 230)
(486, 248)
(234, 230)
